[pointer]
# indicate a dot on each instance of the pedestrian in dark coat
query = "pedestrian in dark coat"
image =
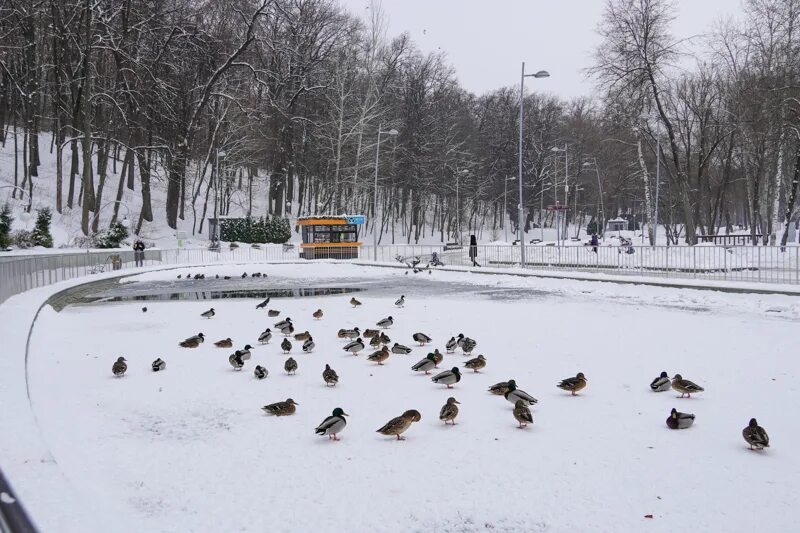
(473, 250)
(138, 252)
(595, 243)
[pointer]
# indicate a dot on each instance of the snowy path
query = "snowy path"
(190, 450)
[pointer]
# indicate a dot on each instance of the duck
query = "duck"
(514, 394)
(235, 360)
(468, 345)
(354, 347)
(476, 363)
(224, 343)
(349, 333)
(286, 346)
(384, 338)
(678, 420)
(317, 314)
(144, 309)
(379, 356)
(460, 340)
(370, 333)
(308, 345)
(425, 365)
(119, 367)
(573, 385)
(522, 414)
(290, 366)
(208, 314)
(265, 336)
(281, 408)
(661, 383)
(193, 342)
(226, 277)
(256, 275)
(158, 365)
(245, 352)
(354, 302)
(385, 322)
(437, 356)
(287, 329)
(398, 425)
(448, 377)
(263, 304)
(499, 389)
(375, 341)
(305, 335)
(329, 376)
(451, 345)
(755, 435)
(272, 313)
(421, 338)
(400, 302)
(684, 386)
(333, 425)
(400, 349)
(260, 372)
(244, 275)
(449, 411)
(282, 323)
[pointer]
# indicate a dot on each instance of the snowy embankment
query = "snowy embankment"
(189, 449)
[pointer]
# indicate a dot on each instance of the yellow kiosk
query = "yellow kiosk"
(330, 237)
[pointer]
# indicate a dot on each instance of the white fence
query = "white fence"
(742, 263)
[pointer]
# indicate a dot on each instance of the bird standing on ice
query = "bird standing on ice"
(400, 301)
(522, 414)
(421, 338)
(661, 383)
(448, 377)
(684, 386)
(514, 394)
(573, 385)
(449, 411)
(755, 436)
(317, 314)
(290, 366)
(119, 367)
(159, 365)
(260, 372)
(329, 376)
(678, 420)
(265, 336)
(425, 365)
(281, 408)
(208, 314)
(354, 302)
(333, 425)
(398, 425)
(354, 347)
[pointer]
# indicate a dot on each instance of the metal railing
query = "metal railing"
(762, 264)
(13, 518)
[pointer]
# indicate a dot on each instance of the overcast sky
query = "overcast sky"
(486, 40)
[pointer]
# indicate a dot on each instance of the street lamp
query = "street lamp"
(556, 149)
(600, 188)
(375, 196)
(521, 221)
(458, 203)
(215, 237)
(505, 205)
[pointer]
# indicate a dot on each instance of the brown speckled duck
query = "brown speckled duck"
(398, 425)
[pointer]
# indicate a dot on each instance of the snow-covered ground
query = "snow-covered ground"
(189, 449)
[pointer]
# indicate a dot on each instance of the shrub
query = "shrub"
(5, 226)
(255, 230)
(41, 232)
(23, 239)
(111, 238)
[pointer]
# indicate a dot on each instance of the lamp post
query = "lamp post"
(375, 195)
(215, 237)
(600, 189)
(556, 149)
(505, 205)
(521, 221)
(458, 203)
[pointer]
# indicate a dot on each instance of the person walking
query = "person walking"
(138, 252)
(594, 243)
(473, 250)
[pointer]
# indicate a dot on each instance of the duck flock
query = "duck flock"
(381, 347)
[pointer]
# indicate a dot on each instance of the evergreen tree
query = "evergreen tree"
(41, 232)
(5, 226)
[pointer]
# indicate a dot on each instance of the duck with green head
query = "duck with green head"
(333, 425)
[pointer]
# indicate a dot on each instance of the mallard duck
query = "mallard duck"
(573, 385)
(400, 302)
(437, 356)
(260, 372)
(684, 386)
(349, 333)
(304, 336)
(661, 383)
(522, 413)
(226, 277)
(448, 377)
(678, 420)
(119, 367)
(281, 408)
(308, 346)
(385, 322)
(290, 366)
(460, 340)
(513, 394)
(354, 347)
(755, 435)
(159, 365)
(193, 342)
(317, 314)
(272, 313)
(396, 426)
(421, 338)
(468, 345)
(379, 356)
(286, 346)
(476, 364)
(425, 365)
(235, 360)
(333, 425)
(144, 309)
(451, 345)
(287, 329)
(449, 411)
(265, 336)
(370, 333)
(499, 389)
(208, 314)
(330, 376)
(354, 302)
(400, 349)
(282, 323)
(375, 341)
(263, 304)
(244, 274)
(224, 343)
(384, 338)
(256, 274)
(245, 352)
